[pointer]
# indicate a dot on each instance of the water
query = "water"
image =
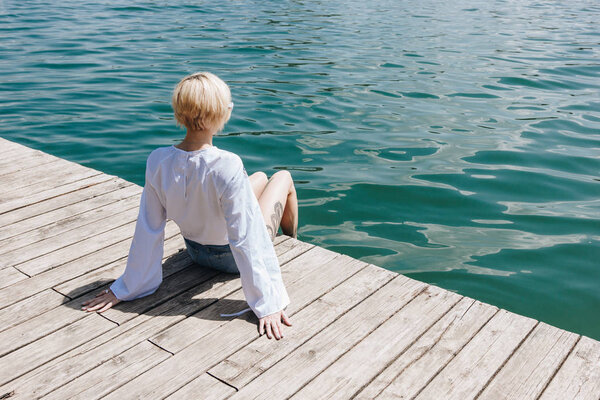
(457, 142)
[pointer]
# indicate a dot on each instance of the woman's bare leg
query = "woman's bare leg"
(279, 204)
(258, 180)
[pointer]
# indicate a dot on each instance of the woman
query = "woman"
(228, 220)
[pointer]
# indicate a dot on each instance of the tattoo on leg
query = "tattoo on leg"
(275, 219)
(271, 233)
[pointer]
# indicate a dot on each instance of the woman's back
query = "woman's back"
(189, 185)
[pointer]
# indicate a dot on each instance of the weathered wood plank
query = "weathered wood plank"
(67, 215)
(51, 180)
(10, 275)
(79, 249)
(467, 373)
(27, 309)
(99, 277)
(27, 358)
(532, 366)
(49, 183)
(52, 199)
(178, 283)
(192, 329)
(205, 386)
(411, 371)
(93, 353)
(579, 376)
(76, 268)
(100, 381)
(112, 343)
(48, 242)
(15, 154)
(56, 318)
(28, 162)
(290, 374)
(69, 230)
(250, 361)
(19, 172)
(357, 367)
(195, 359)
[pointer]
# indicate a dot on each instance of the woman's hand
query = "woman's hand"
(102, 302)
(272, 324)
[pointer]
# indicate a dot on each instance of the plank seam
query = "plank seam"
(454, 355)
(162, 348)
(435, 342)
(24, 273)
(370, 332)
(220, 380)
(505, 361)
(559, 367)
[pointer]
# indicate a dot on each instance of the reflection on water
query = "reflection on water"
(456, 142)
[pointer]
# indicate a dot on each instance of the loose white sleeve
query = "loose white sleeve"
(143, 273)
(252, 248)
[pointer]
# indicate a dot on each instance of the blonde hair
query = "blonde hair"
(202, 101)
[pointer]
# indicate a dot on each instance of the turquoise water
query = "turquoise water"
(457, 142)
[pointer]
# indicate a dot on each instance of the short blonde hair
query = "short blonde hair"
(202, 101)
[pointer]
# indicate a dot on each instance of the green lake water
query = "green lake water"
(457, 142)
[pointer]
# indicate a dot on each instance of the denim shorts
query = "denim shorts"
(212, 256)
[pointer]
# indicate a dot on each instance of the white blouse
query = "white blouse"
(207, 193)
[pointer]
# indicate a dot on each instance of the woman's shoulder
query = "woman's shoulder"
(225, 165)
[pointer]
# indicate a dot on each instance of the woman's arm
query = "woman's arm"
(143, 273)
(254, 253)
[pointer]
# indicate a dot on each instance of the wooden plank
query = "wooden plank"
(209, 387)
(290, 374)
(51, 199)
(467, 373)
(10, 275)
(25, 310)
(25, 163)
(49, 183)
(100, 381)
(532, 366)
(66, 215)
(77, 250)
(101, 276)
(70, 230)
(78, 267)
(27, 358)
(579, 376)
(40, 177)
(36, 327)
(12, 156)
(357, 367)
(192, 361)
(176, 284)
(411, 371)
(15, 155)
(250, 361)
(190, 330)
(93, 353)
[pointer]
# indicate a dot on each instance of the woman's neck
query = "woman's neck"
(196, 140)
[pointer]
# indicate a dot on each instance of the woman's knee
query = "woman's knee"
(283, 176)
(259, 177)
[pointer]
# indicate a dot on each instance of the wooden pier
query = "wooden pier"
(359, 331)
